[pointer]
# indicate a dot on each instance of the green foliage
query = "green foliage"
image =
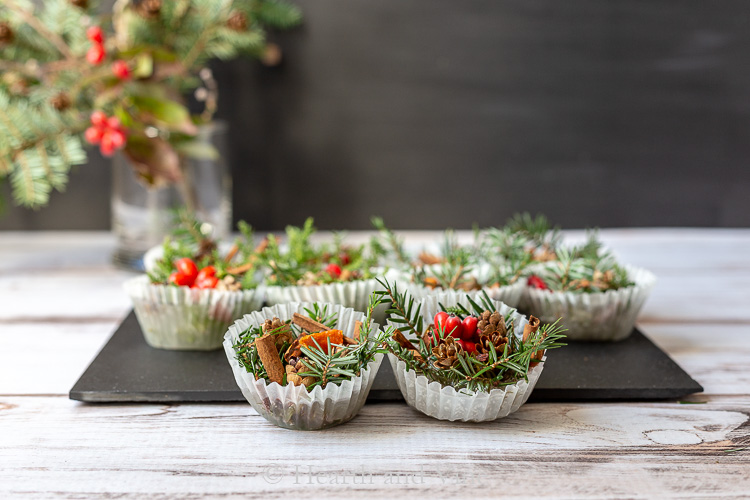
(470, 373)
(300, 261)
(37, 147)
(44, 57)
(325, 367)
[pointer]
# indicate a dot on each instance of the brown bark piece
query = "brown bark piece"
(269, 356)
(403, 341)
(357, 328)
(308, 324)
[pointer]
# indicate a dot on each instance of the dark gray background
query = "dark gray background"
(436, 113)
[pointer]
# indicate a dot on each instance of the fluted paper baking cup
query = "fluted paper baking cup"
(354, 294)
(294, 407)
(445, 402)
(508, 294)
(605, 316)
(183, 318)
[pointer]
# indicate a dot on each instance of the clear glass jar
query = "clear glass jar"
(142, 215)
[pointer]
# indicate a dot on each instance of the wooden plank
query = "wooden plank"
(592, 450)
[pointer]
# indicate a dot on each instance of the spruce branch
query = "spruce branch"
(30, 18)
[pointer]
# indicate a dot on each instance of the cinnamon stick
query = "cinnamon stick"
(357, 328)
(308, 324)
(269, 356)
(403, 341)
(231, 253)
(531, 328)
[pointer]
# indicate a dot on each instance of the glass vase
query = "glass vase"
(143, 215)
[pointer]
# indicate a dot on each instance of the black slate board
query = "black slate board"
(129, 370)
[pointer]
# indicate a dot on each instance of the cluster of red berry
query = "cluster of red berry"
(187, 274)
(97, 53)
(105, 131)
(537, 282)
(464, 331)
(334, 269)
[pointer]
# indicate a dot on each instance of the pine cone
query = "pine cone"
(149, 9)
(229, 283)
(282, 331)
(237, 21)
(61, 101)
(6, 34)
(447, 352)
(490, 323)
(81, 4)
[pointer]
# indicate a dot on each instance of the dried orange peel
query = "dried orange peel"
(323, 339)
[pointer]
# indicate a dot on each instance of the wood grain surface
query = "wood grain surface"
(60, 300)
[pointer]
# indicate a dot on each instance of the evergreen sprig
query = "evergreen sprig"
(329, 366)
(469, 373)
(298, 260)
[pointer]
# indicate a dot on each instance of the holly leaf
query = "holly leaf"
(169, 113)
(154, 159)
(198, 150)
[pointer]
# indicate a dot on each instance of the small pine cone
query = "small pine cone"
(6, 34)
(81, 4)
(280, 329)
(237, 21)
(495, 318)
(447, 352)
(229, 283)
(61, 101)
(149, 9)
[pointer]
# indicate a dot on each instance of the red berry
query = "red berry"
(537, 282)
(114, 123)
(121, 70)
(345, 259)
(207, 282)
(93, 135)
(107, 147)
(206, 272)
(117, 138)
(440, 319)
(95, 34)
(179, 279)
(454, 327)
(334, 270)
(96, 54)
(470, 327)
(187, 267)
(469, 347)
(99, 119)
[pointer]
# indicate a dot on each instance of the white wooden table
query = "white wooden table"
(60, 299)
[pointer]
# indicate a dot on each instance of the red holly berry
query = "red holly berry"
(345, 259)
(469, 347)
(107, 147)
(96, 54)
(206, 272)
(470, 327)
(537, 282)
(117, 138)
(187, 267)
(440, 319)
(180, 279)
(334, 270)
(121, 70)
(95, 34)
(99, 119)
(206, 283)
(93, 135)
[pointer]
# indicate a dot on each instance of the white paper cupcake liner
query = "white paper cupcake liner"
(445, 402)
(605, 316)
(183, 318)
(354, 294)
(293, 407)
(509, 294)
